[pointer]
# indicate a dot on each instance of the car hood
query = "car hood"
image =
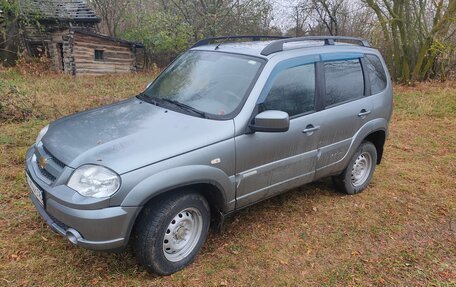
(129, 135)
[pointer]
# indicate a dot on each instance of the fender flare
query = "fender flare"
(175, 178)
(368, 129)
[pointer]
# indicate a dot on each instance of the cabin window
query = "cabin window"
(99, 55)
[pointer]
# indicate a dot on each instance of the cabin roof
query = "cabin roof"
(105, 37)
(61, 10)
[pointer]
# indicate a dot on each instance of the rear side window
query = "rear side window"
(344, 81)
(377, 75)
(293, 91)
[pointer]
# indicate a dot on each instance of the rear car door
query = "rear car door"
(268, 163)
(345, 108)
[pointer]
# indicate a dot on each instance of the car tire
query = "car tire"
(358, 174)
(170, 232)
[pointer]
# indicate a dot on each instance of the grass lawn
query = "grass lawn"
(400, 232)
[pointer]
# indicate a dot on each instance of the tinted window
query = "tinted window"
(293, 91)
(377, 74)
(344, 81)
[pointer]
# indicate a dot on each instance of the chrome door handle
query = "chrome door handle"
(311, 128)
(363, 113)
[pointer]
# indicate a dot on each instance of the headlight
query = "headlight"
(94, 181)
(41, 134)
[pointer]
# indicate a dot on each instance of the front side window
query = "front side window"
(210, 82)
(377, 74)
(344, 81)
(293, 91)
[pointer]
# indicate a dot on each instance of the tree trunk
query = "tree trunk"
(9, 46)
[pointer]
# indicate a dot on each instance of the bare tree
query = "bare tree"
(112, 14)
(329, 13)
(217, 17)
(320, 16)
(416, 34)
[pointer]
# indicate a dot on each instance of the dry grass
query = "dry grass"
(400, 232)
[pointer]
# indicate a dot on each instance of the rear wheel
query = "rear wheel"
(358, 174)
(171, 231)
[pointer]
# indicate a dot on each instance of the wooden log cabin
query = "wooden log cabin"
(66, 31)
(81, 52)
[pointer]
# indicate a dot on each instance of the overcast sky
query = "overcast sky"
(283, 9)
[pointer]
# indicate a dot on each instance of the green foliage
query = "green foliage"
(9, 6)
(159, 32)
(167, 29)
(9, 11)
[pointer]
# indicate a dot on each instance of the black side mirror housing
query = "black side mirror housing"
(271, 122)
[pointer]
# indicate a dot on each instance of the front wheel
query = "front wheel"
(358, 174)
(171, 231)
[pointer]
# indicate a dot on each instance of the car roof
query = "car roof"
(255, 48)
(248, 48)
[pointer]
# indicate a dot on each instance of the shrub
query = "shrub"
(16, 105)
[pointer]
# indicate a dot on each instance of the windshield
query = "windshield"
(209, 82)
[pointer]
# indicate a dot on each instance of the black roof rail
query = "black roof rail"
(277, 46)
(207, 41)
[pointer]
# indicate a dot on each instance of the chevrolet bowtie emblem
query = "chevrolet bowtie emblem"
(42, 162)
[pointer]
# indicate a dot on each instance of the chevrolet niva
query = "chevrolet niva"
(226, 125)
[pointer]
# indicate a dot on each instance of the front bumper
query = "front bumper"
(94, 228)
(104, 229)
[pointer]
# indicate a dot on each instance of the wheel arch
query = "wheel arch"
(377, 138)
(216, 188)
(209, 191)
(180, 177)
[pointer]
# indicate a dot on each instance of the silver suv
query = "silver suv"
(226, 125)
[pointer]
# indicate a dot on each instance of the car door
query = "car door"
(268, 163)
(345, 108)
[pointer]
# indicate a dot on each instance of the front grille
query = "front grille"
(53, 167)
(56, 160)
(47, 175)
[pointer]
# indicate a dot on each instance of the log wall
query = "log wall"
(56, 49)
(117, 57)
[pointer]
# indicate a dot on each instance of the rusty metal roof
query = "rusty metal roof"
(62, 10)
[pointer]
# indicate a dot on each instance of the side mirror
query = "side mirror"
(271, 121)
(148, 85)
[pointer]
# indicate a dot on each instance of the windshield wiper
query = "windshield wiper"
(185, 107)
(157, 102)
(146, 98)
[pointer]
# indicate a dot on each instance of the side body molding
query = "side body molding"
(183, 176)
